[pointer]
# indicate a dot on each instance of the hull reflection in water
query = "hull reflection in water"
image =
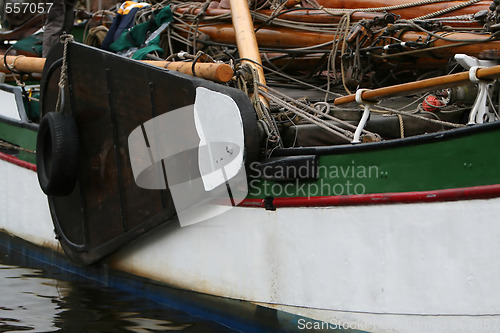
(44, 301)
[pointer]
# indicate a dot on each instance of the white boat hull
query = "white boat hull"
(378, 268)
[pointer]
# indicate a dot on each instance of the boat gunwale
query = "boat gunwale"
(24, 122)
(14, 160)
(427, 138)
(415, 197)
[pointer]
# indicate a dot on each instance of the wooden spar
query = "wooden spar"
(302, 15)
(245, 37)
(216, 72)
(211, 71)
(426, 85)
(277, 37)
(453, 43)
(22, 64)
(341, 7)
(270, 36)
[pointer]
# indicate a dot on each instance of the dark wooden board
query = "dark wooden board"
(110, 96)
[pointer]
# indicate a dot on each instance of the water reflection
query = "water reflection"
(27, 301)
(39, 301)
(38, 297)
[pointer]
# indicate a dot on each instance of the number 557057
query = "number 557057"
(28, 8)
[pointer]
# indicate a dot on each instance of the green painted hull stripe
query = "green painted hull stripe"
(22, 137)
(462, 161)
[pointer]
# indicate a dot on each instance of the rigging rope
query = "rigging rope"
(311, 118)
(435, 121)
(340, 32)
(446, 10)
(8, 145)
(65, 39)
(336, 11)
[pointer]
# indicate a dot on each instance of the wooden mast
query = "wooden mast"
(245, 37)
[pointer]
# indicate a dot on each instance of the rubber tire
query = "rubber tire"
(57, 154)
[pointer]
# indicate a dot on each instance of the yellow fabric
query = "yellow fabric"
(127, 6)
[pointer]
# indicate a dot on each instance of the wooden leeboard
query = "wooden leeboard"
(110, 96)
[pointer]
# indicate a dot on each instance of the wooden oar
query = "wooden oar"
(441, 82)
(210, 71)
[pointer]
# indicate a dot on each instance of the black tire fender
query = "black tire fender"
(57, 152)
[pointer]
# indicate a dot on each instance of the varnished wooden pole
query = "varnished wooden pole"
(22, 64)
(245, 36)
(210, 71)
(216, 72)
(426, 85)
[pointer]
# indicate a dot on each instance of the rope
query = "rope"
(65, 39)
(7, 145)
(311, 114)
(12, 68)
(336, 11)
(340, 32)
(96, 36)
(261, 109)
(402, 23)
(311, 118)
(282, 96)
(19, 81)
(342, 29)
(426, 49)
(401, 126)
(435, 121)
(198, 19)
(344, 45)
(446, 10)
(110, 15)
(302, 83)
(344, 24)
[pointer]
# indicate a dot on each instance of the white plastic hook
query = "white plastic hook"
(366, 113)
(480, 108)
